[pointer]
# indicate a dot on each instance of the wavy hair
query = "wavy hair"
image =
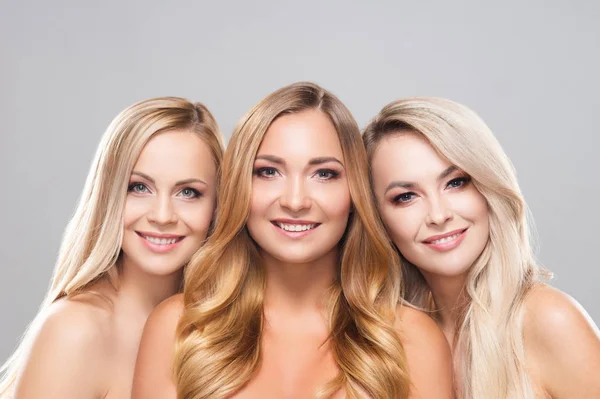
(219, 335)
(91, 244)
(489, 331)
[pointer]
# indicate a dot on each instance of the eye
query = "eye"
(327, 174)
(458, 182)
(189, 192)
(266, 172)
(138, 188)
(404, 198)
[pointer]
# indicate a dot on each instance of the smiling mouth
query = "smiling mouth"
(160, 240)
(293, 227)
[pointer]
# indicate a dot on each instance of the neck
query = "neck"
(450, 299)
(298, 286)
(143, 291)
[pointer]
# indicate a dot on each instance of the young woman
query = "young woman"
(296, 293)
(147, 206)
(450, 201)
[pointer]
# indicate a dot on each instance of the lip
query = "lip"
(159, 248)
(448, 245)
(294, 234)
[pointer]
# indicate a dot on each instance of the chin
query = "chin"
(161, 270)
(294, 258)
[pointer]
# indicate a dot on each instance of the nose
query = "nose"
(295, 196)
(439, 212)
(162, 212)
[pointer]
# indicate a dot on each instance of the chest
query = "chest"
(293, 366)
(121, 365)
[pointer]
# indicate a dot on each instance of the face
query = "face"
(170, 202)
(300, 196)
(433, 212)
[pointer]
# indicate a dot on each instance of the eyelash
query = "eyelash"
(464, 180)
(401, 198)
(261, 172)
(144, 189)
(452, 184)
(332, 174)
(195, 193)
(133, 185)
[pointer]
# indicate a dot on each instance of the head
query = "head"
(170, 203)
(445, 189)
(295, 187)
(286, 175)
(133, 194)
(300, 200)
(432, 210)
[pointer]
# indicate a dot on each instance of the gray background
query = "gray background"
(530, 69)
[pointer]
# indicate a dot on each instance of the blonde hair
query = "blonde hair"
(91, 243)
(490, 329)
(219, 334)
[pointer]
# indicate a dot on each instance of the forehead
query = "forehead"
(407, 156)
(178, 152)
(304, 134)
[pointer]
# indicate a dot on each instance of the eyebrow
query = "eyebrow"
(313, 161)
(271, 158)
(179, 183)
(409, 185)
(321, 160)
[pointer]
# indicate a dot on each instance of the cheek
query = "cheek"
(334, 200)
(264, 193)
(197, 216)
(135, 208)
(472, 206)
(403, 224)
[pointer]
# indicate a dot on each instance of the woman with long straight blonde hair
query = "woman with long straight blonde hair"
(296, 294)
(147, 206)
(449, 198)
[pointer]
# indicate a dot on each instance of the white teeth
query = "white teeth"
(296, 227)
(161, 241)
(446, 239)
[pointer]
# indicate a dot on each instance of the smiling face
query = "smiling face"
(433, 212)
(300, 196)
(170, 202)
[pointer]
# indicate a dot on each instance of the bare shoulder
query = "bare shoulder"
(552, 315)
(168, 311)
(427, 353)
(69, 352)
(154, 366)
(417, 328)
(562, 343)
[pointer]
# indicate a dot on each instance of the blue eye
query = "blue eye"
(403, 198)
(327, 174)
(458, 182)
(190, 193)
(138, 188)
(267, 172)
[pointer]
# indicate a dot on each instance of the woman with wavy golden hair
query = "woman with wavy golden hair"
(449, 198)
(296, 294)
(147, 206)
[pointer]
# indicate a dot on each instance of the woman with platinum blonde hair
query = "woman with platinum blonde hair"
(147, 206)
(449, 198)
(296, 294)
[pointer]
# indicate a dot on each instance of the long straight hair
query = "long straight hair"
(91, 244)
(490, 329)
(219, 334)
